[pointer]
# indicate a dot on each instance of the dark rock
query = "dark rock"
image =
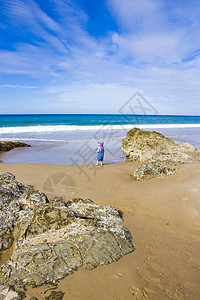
(55, 296)
(6, 242)
(57, 201)
(7, 145)
(143, 145)
(54, 237)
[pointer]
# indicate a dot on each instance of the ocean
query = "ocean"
(72, 138)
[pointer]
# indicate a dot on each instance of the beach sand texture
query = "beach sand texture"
(162, 215)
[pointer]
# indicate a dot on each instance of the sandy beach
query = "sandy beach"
(162, 215)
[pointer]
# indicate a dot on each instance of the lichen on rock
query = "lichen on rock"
(55, 237)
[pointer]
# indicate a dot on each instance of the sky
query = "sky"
(91, 56)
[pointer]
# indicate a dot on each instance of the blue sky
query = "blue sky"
(87, 56)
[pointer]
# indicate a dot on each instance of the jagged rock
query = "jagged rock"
(7, 223)
(55, 296)
(9, 186)
(8, 293)
(54, 237)
(16, 200)
(151, 170)
(7, 145)
(145, 145)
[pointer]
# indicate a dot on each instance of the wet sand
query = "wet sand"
(72, 152)
(163, 216)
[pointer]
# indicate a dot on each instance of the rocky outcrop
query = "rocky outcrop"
(143, 145)
(55, 237)
(151, 170)
(7, 145)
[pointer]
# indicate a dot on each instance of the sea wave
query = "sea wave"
(62, 128)
(56, 140)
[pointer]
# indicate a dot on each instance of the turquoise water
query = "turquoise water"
(93, 119)
(80, 127)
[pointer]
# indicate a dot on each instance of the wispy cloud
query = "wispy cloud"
(15, 86)
(154, 31)
(155, 49)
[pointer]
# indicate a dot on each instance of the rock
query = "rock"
(55, 237)
(7, 145)
(8, 293)
(151, 170)
(145, 145)
(7, 223)
(16, 200)
(9, 186)
(55, 296)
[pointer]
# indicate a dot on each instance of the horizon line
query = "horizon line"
(119, 114)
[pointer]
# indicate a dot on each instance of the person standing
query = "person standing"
(100, 153)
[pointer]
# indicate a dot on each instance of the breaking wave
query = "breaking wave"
(66, 128)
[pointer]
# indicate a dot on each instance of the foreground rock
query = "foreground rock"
(7, 145)
(151, 170)
(145, 145)
(54, 237)
(9, 294)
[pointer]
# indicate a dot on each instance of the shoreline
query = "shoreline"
(81, 152)
(77, 147)
(162, 215)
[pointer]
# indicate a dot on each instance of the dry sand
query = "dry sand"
(163, 216)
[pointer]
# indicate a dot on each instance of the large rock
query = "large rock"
(7, 145)
(54, 237)
(143, 145)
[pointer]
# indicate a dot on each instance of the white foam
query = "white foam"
(62, 128)
(56, 140)
(31, 139)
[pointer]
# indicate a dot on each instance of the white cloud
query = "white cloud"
(137, 15)
(31, 14)
(153, 48)
(16, 86)
(80, 72)
(153, 32)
